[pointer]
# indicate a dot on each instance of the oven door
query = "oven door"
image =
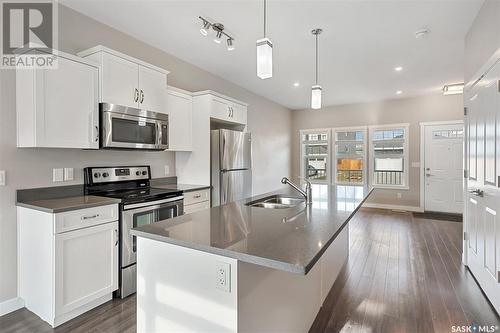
(129, 131)
(140, 214)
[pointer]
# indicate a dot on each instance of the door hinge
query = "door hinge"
(465, 111)
(465, 235)
(465, 174)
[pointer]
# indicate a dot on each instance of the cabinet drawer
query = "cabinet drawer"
(196, 196)
(82, 218)
(196, 207)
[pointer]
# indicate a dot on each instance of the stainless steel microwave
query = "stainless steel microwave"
(124, 127)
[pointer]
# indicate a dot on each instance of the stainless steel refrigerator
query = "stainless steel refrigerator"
(231, 168)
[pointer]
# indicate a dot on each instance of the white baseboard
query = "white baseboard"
(11, 305)
(394, 207)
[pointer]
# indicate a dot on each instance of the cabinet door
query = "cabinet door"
(66, 106)
(220, 109)
(196, 207)
(180, 113)
(119, 81)
(86, 265)
(153, 90)
(239, 113)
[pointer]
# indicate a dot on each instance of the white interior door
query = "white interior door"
(443, 163)
(482, 223)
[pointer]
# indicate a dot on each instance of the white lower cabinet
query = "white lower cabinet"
(66, 271)
(196, 200)
(85, 263)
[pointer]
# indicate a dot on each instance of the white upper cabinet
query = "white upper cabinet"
(152, 86)
(128, 81)
(225, 109)
(180, 118)
(58, 108)
(119, 81)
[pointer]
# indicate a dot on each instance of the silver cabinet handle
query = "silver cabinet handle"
(197, 196)
(88, 217)
(116, 237)
(97, 134)
(428, 175)
(229, 111)
(136, 95)
(142, 96)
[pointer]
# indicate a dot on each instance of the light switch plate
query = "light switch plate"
(2, 178)
(68, 174)
(58, 175)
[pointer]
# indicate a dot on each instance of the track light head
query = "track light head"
(230, 46)
(218, 28)
(206, 26)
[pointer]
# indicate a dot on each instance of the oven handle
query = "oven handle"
(149, 204)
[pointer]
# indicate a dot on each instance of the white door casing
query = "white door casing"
(443, 168)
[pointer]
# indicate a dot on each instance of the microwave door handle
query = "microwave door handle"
(158, 134)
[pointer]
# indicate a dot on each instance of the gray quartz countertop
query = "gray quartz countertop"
(58, 205)
(291, 239)
(183, 187)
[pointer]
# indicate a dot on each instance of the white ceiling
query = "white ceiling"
(362, 42)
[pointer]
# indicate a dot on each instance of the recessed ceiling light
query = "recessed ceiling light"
(296, 84)
(421, 33)
(399, 92)
(398, 68)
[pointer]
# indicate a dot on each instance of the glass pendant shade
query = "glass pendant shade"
(264, 58)
(316, 97)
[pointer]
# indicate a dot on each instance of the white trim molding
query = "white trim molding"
(11, 305)
(393, 207)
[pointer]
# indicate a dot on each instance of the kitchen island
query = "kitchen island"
(238, 268)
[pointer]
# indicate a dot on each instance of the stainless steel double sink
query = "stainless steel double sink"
(277, 201)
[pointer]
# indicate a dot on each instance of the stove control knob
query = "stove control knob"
(144, 173)
(97, 175)
(105, 174)
(138, 173)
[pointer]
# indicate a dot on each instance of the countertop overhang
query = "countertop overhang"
(291, 239)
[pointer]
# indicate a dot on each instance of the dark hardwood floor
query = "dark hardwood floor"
(404, 274)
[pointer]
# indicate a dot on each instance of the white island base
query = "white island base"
(177, 291)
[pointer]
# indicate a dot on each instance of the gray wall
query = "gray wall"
(407, 110)
(269, 123)
(483, 38)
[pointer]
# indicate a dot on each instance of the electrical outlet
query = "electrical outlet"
(58, 175)
(2, 178)
(399, 195)
(167, 170)
(223, 276)
(68, 174)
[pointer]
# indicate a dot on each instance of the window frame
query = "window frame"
(406, 155)
(363, 129)
(328, 132)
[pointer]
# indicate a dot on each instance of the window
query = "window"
(350, 155)
(389, 156)
(315, 159)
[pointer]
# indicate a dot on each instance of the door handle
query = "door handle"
(229, 112)
(89, 217)
(116, 237)
(477, 192)
(136, 95)
(142, 96)
(428, 175)
(97, 134)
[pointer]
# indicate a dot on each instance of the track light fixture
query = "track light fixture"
(218, 28)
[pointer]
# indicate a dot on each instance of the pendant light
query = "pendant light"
(264, 54)
(316, 88)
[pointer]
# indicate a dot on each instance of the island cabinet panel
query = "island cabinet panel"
(332, 261)
(181, 293)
